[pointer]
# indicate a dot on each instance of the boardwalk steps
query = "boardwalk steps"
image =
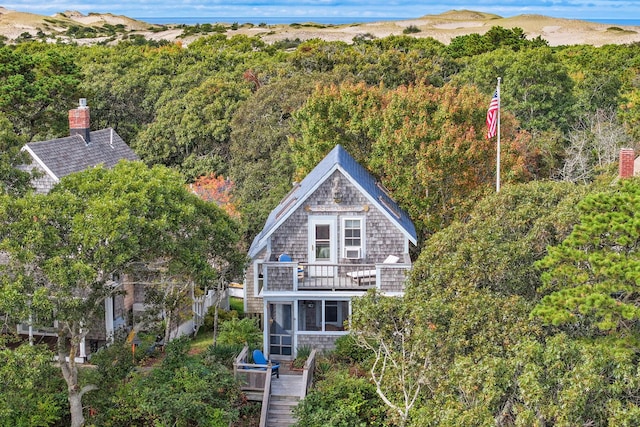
(285, 395)
(280, 413)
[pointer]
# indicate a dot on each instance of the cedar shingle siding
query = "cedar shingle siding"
(338, 188)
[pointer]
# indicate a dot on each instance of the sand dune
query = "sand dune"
(443, 27)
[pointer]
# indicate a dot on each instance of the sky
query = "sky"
(573, 9)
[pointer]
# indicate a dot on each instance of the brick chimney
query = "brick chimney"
(79, 123)
(627, 158)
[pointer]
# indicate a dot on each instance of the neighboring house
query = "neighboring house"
(335, 235)
(81, 150)
(59, 157)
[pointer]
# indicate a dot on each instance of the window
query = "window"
(352, 237)
(323, 242)
(258, 278)
(319, 315)
(331, 311)
(335, 314)
(352, 232)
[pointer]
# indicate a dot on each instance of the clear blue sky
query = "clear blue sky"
(575, 9)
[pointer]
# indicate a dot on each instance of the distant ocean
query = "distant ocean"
(266, 20)
(326, 20)
(616, 21)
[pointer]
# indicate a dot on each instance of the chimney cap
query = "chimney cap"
(83, 102)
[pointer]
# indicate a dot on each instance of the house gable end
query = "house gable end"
(42, 166)
(337, 159)
(63, 156)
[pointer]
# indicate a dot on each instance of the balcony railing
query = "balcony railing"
(293, 276)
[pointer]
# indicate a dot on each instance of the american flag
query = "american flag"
(492, 116)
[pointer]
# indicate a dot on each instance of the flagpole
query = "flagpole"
(498, 145)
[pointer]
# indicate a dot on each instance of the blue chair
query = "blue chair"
(287, 258)
(259, 359)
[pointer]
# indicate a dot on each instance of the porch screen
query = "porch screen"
(319, 315)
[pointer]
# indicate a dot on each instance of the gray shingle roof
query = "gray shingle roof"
(338, 158)
(63, 156)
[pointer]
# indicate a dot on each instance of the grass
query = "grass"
(620, 30)
(201, 341)
(236, 304)
(205, 338)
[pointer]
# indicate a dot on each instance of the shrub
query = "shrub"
(223, 316)
(223, 354)
(240, 332)
(302, 355)
(411, 29)
(348, 351)
(341, 400)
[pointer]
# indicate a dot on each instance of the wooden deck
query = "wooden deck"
(333, 284)
(288, 385)
(287, 276)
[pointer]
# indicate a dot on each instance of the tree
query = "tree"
(216, 189)
(594, 143)
(536, 89)
(184, 390)
(13, 181)
(564, 381)
(471, 291)
(427, 145)
(192, 132)
(387, 327)
(30, 390)
(348, 114)
(66, 248)
(260, 154)
(434, 156)
(341, 400)
(400, 60)
(496, 245)
(497, 37)
(36, 79)
(592, 277)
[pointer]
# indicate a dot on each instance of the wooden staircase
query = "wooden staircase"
(280, 412)
(279, 394)
(286, 392)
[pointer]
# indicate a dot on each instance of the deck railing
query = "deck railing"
(253, 379)
(293, 276)
(264, 412)
(307, 374)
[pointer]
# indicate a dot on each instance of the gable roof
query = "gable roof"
(63, 156)
(337, 159)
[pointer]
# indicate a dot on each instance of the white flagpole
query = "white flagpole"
(498, 145)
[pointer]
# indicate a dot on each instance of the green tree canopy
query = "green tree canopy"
(13, 181)
(592, 276)
(426, 144)
(37, 82)
(66, 248)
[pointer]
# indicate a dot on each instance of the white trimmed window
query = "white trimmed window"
(353, 238)
(258, 278)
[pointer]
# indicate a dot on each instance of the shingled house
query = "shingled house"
(59, 157)
(336, 234)
(81, 150)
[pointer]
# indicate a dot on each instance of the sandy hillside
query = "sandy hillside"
(448, 25)
(442, 27)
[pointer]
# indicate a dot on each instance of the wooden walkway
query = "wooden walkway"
(287, 385)
(286, 392)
